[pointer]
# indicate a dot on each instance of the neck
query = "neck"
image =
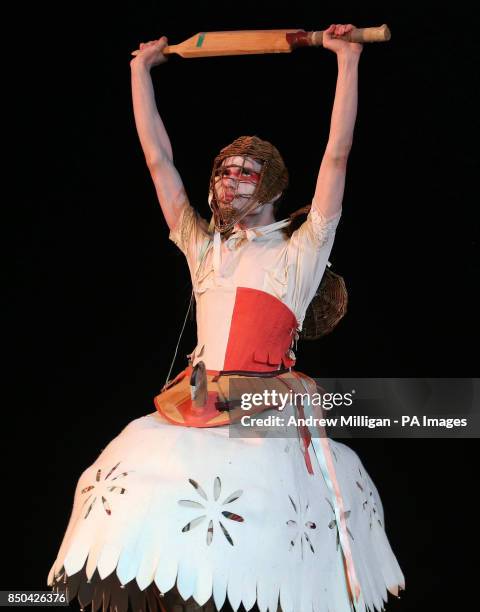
(259, 217)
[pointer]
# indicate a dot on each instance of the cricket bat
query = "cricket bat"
(246, 42)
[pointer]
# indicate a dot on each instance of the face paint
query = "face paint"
(246, 174)
(236, 180)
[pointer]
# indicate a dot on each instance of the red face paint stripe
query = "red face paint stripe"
(236, 172)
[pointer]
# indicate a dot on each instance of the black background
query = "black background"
(98, 293)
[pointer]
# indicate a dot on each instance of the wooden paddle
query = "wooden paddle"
(246, 42)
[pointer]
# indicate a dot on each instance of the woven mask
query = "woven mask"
(273, 179)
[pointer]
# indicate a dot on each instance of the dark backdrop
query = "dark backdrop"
(99, 292)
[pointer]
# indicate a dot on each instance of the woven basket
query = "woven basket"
(327, 307)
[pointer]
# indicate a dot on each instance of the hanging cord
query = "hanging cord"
(179, 339)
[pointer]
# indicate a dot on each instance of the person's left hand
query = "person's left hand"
(332, 41)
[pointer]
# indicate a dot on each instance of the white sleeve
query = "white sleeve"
(307, 256)
(189, 234)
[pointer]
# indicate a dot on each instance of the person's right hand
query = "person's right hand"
(151, 53)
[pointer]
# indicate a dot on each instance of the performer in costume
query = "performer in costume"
(175, 514)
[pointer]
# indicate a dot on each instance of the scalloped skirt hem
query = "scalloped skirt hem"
(109, 595)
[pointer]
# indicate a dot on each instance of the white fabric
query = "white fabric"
(166, 477)
(262, 258)
(280, 503)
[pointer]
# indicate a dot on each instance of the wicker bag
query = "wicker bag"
(327, 307)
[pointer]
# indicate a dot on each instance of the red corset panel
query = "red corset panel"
(261, 333)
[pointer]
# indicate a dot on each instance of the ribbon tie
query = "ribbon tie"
(241, 236)
(323, 452)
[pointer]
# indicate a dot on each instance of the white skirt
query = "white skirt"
(234, 519)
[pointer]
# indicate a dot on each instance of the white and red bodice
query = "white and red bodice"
(252, 290)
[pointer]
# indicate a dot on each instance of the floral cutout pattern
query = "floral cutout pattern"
(101, 488)
(369, 504)
(333, 523)
(213, 512)
(301, 525)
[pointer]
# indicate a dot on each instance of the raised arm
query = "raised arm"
(152, 133)
(331, 177)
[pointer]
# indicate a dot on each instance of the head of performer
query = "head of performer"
(248, 177)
